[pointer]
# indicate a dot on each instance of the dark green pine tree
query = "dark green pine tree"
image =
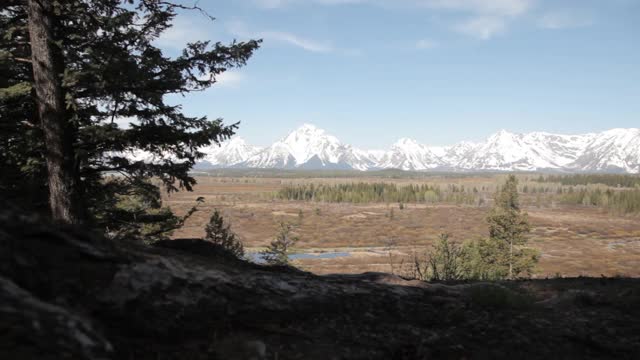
(68, 70)
(220, 233)
(507, 229)
(278, 251)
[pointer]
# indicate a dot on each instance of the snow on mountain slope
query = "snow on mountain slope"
(615, 150)
(309, 147)
(453, 155)
(229, 153)
(525, 152)
(407, 154)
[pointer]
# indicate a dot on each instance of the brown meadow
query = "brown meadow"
(574, 240)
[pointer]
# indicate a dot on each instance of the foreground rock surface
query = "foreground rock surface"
(67, 294)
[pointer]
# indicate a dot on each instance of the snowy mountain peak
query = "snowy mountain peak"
(308, 133)
(309, 147)
(308, 141)
(408, 154)
(305, 132)
(306, 127)
(504, 132)
(501, 136)
(229, 153)
(235, 142)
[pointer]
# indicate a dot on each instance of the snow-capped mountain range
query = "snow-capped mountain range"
(308, 147)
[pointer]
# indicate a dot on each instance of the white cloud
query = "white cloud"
(488, 17)
(482, 27)
(292, 39)
(426, 44)
(239, 29)
(564, 19)
(230, 78)
(185, 29)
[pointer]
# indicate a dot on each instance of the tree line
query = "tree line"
(618, 201)
(613, 180)
(363, 192)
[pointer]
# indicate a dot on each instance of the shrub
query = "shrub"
(444, 262)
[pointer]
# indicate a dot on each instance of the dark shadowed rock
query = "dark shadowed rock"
(198, 247)
(187, 300)
(33, 329)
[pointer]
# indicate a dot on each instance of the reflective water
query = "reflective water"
(258, 257)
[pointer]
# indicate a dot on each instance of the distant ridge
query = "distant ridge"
(309, 147)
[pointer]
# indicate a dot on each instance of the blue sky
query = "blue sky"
(438, 71)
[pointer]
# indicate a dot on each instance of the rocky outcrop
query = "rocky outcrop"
(33, 329)
(70, 293)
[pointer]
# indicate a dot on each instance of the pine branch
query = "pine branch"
(24, 60)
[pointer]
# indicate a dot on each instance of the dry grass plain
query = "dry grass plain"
(574, 240)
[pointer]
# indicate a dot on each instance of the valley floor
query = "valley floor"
(574, 240)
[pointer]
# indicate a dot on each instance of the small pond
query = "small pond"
(258, 258)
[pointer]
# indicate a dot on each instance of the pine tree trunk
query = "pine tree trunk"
(48, 67)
